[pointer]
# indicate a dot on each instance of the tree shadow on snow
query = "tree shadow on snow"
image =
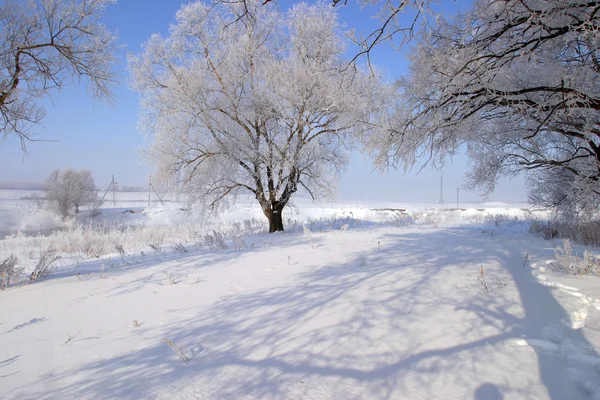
(411, 316)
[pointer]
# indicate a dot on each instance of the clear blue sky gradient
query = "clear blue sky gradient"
(80, 133)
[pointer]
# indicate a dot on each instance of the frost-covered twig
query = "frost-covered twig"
(482, 284)
(72, 337)
(172, 345)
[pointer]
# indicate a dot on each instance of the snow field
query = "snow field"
(134, 229)
(375, 311)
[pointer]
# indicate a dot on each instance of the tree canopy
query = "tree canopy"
(517, 83)
(264, 105)
(45, 44)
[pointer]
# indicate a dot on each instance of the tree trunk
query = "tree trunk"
(275, 217)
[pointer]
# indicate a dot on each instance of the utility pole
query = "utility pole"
(441, 186)
(149, 187)
(113, 190)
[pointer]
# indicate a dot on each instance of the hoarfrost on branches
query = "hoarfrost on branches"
(44, 44)
(263, 106)
(517, 83)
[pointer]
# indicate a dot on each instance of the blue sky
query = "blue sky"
(80, 133)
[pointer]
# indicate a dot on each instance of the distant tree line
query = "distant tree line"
(130, 188)
(7, 185)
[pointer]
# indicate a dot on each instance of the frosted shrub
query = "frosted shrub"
(545, 229)
(179, 248)
(434, 217)
(239, 243)
(45, 265)
(215, 241)
(9, 271)
(402, 219)
(591, 263)
(566, 261)
(584, 232)
(498, 219)
(120, 250)
(92, 241)
(254, 225)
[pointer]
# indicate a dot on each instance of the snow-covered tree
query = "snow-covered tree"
(397, 20)
(44, 44)
(84, 190)
(69, 189)
(263, 105)
(517, 82)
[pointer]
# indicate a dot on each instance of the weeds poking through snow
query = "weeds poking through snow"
(101, 272)
(157, 251)
(525, 260)
(215, 241)
(568, 262)
(70, 338)
(170, 279)
(482, 283)
(584, 232)
(565, 260)
(238, 243)
(44, 266)
(137, 324)
(308, 234)
(591, 263)
(176, 349)
(179, 248)
(120, 250)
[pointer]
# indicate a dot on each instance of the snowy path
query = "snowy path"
(387, 313)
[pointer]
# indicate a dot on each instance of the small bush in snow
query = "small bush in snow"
(499, 219)
(120, 250)
(433, 217)
(584, 232)
(402, 219)
(591, 263)
(9, 271)
(45, 265)
(568, 262)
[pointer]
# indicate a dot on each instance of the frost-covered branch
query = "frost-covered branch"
(514, 81)
(44, 44)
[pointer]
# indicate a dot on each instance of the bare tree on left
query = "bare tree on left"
(45, 44)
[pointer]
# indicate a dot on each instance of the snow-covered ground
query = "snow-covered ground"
(462, 304)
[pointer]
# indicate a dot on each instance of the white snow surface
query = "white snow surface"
(435, 310)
